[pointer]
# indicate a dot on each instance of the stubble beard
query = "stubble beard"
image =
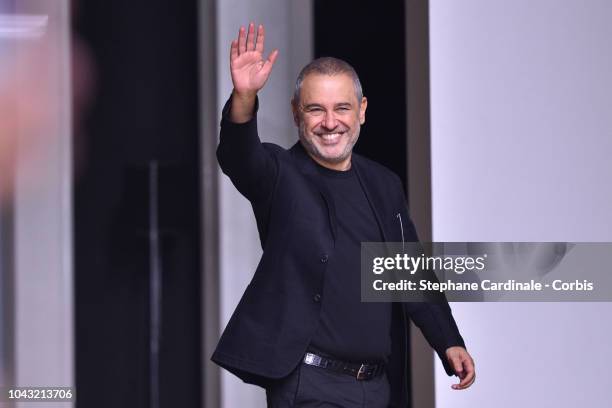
(311, 147)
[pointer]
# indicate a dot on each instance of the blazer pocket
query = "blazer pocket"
(399, 222)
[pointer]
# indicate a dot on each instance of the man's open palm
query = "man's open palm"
(249, 69)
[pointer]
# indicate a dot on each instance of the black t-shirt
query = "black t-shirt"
(348, 328)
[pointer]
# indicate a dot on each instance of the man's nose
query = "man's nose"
(330, 121)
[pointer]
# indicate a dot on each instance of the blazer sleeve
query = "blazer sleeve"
(434, 318)
(244, 159)
(436, 322)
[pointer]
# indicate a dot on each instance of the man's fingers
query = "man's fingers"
(267, 66)
(233, 51)
(251, 38)
(272, 57)
(467, 375)
(241, 41)
(466, 381)
(259, 45)
(457, 366)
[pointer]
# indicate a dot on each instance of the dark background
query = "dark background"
(370, 36)
(145, 108)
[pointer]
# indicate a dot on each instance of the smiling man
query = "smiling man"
(300, 329)
(328, 109)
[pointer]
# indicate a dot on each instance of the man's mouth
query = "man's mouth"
(330, 138)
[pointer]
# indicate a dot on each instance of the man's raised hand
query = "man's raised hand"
(249, 69)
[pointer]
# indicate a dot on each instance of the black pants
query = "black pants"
(308, 387)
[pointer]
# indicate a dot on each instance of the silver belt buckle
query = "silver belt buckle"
(361, 373)
(312, 359)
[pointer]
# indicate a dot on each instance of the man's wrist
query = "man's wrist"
(455, 346)
(244, 97)
(242, 106)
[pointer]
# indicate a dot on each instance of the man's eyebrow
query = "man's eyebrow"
(338, 105)
(311, 105)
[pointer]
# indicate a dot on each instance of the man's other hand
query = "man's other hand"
(462, 363)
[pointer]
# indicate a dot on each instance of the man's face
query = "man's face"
(329, 118)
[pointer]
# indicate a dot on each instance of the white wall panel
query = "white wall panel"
(521, 140)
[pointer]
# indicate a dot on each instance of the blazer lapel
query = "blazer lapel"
(308, 168)
(375, 200)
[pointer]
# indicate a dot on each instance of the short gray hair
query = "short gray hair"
(328, 66)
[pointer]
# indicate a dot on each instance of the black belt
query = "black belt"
(361, 371)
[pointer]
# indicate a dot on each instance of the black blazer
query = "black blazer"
(278, 314)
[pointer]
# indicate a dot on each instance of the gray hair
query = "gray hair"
(327, 66)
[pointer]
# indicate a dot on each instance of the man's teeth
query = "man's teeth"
(331, 136)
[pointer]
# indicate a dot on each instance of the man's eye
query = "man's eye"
(315, 111)
(343, 108)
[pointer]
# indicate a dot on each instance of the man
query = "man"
(300, 329)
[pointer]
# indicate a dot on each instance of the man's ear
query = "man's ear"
(362, 110)
(294, 110)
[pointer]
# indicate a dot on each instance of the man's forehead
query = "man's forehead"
(317, 86)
